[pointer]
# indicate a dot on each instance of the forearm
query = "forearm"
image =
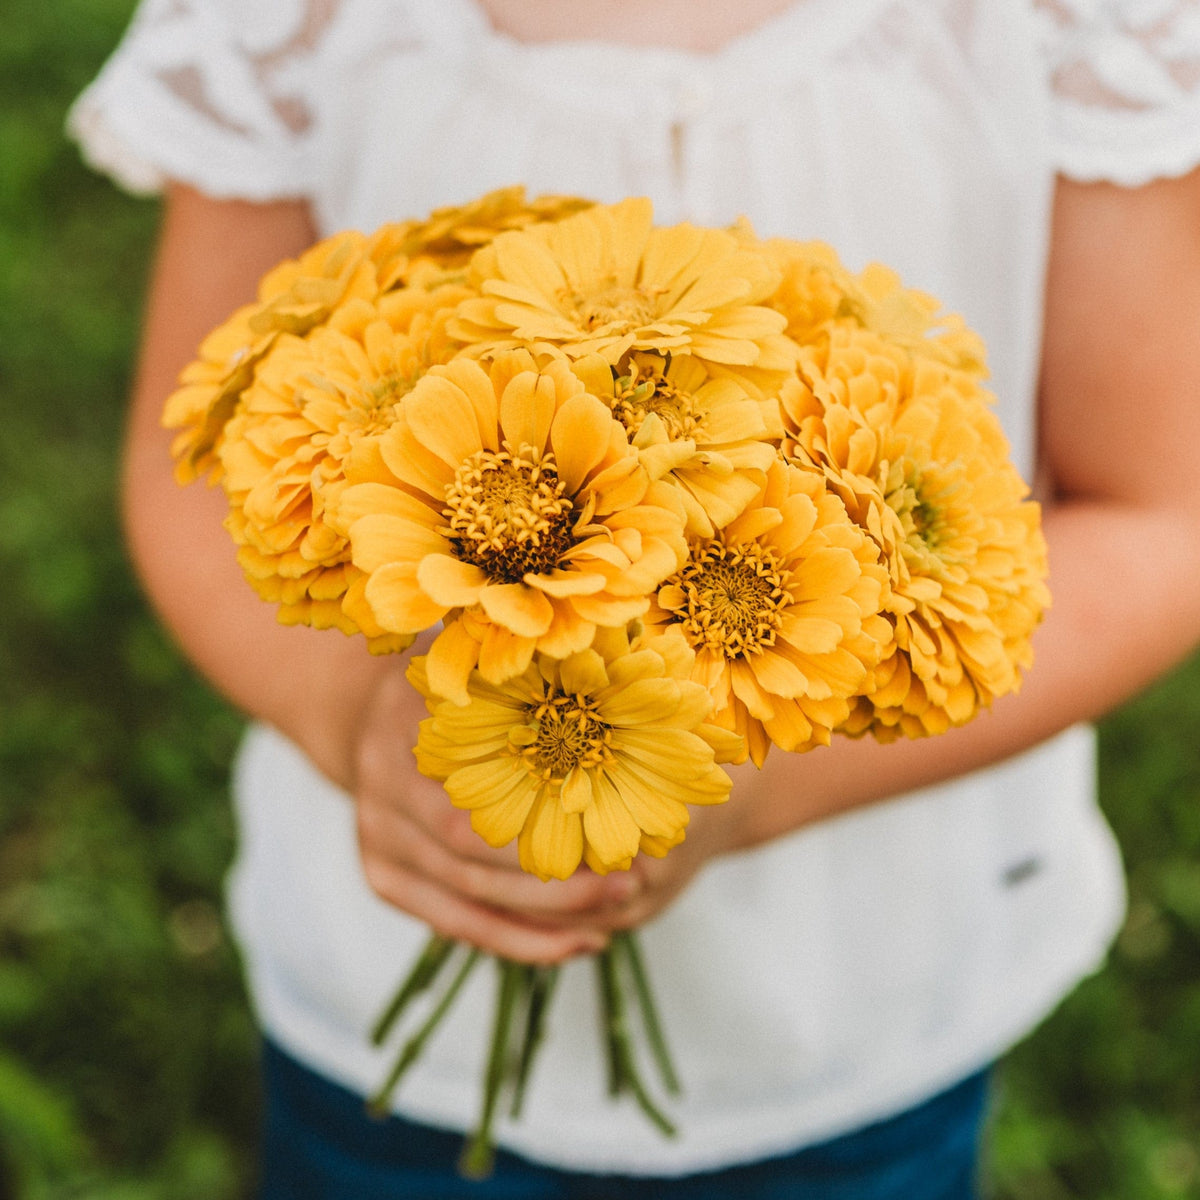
(309, 684)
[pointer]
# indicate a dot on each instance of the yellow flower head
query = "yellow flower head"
(294, 297)
(448, 237)
(590, 758)
(513, 494)
(606, 281)
(316, 405)
(924, 468)
(818, 292)
(705, 435)
(781, 608)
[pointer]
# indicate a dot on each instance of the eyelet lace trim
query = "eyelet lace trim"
(211, 94)
(216, 93)
(1125, 80)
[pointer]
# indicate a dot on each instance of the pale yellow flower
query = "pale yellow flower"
(436, 250)
(817, 291)
(591, 758)
(316, 405)
(606, 281)
(295, 297)
(782, 610)
(707, 436)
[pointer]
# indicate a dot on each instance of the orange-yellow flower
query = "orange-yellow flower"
(317, 404)
(590, 758)
(606, 281)
(781, 608)
(294, 297)
(513, 494)
(923, 466)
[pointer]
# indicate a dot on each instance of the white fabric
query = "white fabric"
(851, 969)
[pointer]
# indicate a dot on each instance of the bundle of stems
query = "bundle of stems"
(523, 996)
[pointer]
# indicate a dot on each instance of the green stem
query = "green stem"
(623, 1072)
(379, 1103)
(479, 1153)
(541, 988)
(424, 971)
(628, 943)
(613, 1017)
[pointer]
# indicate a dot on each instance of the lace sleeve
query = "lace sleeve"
(208, 92)
(1125, 86)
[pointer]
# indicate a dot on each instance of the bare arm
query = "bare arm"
(211, 256)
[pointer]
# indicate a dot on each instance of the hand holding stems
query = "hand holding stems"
(420, 853)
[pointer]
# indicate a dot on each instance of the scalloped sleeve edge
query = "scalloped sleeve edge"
(125, 128)
(1127, 148)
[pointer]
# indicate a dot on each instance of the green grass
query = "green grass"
(126, 1051)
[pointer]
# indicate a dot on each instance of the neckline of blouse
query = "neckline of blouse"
(676, 82)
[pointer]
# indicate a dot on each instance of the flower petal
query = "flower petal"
(378, 540)
(527, 408)
(450, 661)
(503, 654)
(583, 674)
(523, 610)
(450, 581)
(580, 439)
(397, 601)
(551, 844)
(610, 829)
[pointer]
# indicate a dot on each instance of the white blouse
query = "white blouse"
(851, 969)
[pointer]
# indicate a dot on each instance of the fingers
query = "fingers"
(452, 915)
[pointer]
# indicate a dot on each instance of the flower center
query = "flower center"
(733, 598)
(609, 305)
(637, 397)
(373, 409)
(393, 386)
(569, 734)
(508, 513)
(921, 507)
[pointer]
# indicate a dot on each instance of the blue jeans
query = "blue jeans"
(319, 1144)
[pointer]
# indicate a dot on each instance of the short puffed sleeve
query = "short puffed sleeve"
(212, 93)
(1125, 87)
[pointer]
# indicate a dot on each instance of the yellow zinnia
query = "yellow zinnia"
(781, 608)
(705, 435)
(606, 281)
(590, 758)
(295, 297)
(817, 292)
(316, 404)
(924, 467)
(513, 494)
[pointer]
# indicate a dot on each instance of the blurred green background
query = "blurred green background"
(126, 1051)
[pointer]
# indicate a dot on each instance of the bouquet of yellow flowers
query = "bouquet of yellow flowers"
(675, 495)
